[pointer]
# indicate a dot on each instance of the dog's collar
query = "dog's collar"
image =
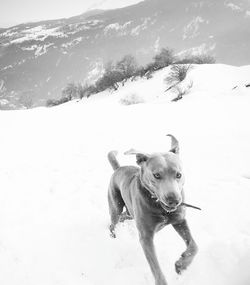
(151, 193)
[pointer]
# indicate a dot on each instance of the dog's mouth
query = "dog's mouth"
(164, 205)
(167, 208)
(173, 209)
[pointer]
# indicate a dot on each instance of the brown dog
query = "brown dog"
(152, 194)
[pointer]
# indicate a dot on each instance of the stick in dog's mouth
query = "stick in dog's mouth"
(168, 209)
(190, 206)
(173, 209)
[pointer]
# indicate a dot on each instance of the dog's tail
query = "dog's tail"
(112, 159)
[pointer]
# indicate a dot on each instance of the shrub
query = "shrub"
(77, 90)
(197, 59)
(163, 59)
(71, 91)
(87, 91)
(180, 91)
(109, 79)
(131, 99)
(205, 59)
(126, 67)
(144, 72)
(51, 103)
(116, 73)
(177, 74)
(55, 102)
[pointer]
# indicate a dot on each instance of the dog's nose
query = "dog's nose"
(172, 200)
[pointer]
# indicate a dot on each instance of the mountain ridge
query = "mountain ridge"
(38, 59)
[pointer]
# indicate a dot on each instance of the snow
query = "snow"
(6, 67)
(84, 26)
(138, 29)
(157, 45)
(116, 28)
(238, 9)
(96, 70)
(111, 4)
(29, 48)
(38, 49)
(191, 30)
(234, 7)
(73, 43)
(54, 177)
(37, 33)
(9, 33)
(42, 49)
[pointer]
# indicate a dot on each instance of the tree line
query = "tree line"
(116, 74)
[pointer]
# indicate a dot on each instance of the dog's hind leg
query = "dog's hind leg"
(116, 205)
(189, 254)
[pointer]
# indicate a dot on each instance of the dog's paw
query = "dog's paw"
(179, 266)
(112, 234)
(112, 231)
(183, 263)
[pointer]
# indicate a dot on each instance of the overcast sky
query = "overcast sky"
(14, 12)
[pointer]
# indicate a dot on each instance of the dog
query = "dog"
(152, 194)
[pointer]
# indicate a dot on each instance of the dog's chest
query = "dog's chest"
(166, 218)
(163, 221)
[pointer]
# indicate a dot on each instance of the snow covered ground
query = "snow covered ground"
(54, 176)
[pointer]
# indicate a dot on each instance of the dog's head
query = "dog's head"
(161, 174)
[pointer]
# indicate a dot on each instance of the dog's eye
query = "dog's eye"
(178, 175)
(157, 175)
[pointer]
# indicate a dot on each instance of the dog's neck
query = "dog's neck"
(150, 193)
(144, 185)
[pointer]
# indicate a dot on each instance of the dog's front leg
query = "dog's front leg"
(189, 254)
(146, 240)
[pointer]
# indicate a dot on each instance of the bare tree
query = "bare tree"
(70, 91)
(127, 66)
(177, 74)
(164, 58)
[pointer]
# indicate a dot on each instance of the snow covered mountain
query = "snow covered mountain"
(54, 178)
(38, 59)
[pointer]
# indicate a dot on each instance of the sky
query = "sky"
(14, 12)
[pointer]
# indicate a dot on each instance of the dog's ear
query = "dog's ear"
(140, 157)
(174, 144)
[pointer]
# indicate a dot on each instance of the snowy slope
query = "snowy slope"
(54, 177)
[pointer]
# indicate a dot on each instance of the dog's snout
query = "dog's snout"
(173, 200)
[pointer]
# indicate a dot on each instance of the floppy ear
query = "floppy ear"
(174, 144)
(140, 157)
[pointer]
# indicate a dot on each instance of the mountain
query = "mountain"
(38, 59)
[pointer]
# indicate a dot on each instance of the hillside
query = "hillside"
(38, 59)
(54, 177)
